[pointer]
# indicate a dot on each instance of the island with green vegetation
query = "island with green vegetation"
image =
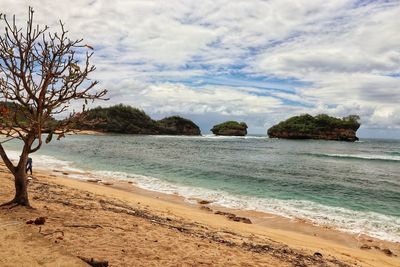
(15, 115)
(129, 120)
(317, 127)
(174, 125)
(230, 128)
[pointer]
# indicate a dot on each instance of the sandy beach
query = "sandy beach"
(251, 133)
(127, 226)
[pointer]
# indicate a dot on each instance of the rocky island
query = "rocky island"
(175, 124)
(322, 127)
(230, 128)
(129, 120)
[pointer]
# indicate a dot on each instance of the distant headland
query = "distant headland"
(129, 120)
(322, 127)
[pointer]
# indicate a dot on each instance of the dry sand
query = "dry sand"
(20, 246)
(128, 226)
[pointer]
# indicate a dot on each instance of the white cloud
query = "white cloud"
(186, 100)
(337, 57)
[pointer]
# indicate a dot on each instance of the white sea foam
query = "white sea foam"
(210, 136)
(363, 156)
(41, 161)
(219, 137)
(369, 223)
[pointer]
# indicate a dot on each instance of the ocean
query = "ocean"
(354, 187)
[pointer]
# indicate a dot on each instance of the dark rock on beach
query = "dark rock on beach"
(37, 221)
(317, 254)
(233, 217)
(387, 251)
(204, 202)
(206, 208)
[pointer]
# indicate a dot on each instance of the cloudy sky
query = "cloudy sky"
(258, 61)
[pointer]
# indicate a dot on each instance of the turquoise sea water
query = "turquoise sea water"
(352, 186)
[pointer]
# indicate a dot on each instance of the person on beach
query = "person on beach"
(29, 165)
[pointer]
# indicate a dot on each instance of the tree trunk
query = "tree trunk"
(21, 188)
(19, 172)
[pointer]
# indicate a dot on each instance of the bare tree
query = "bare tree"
(41, 73)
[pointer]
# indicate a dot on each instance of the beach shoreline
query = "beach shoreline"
(261, 218)
(266, 230)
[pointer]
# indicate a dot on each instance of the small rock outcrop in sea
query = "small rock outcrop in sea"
(130, 120)
(230, 128)
(176, 125)
(319, 127)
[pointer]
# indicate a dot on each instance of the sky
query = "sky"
(258, 61)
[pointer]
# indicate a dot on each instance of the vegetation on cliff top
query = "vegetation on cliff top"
(15, 109)
(126, 119)
(321, 123)
(230, 128)
(176, 123)
(20, 112)
(119, 119)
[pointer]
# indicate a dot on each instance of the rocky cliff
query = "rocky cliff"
(176, 125)
(130, 120)
(230, 128)
(319, 127)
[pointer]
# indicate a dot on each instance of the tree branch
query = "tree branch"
(41, 73)
(6, 160)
